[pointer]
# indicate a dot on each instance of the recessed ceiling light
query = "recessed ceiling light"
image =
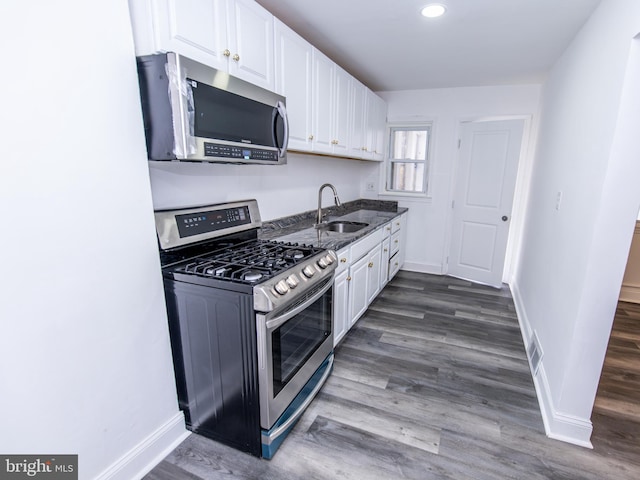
(433, 10)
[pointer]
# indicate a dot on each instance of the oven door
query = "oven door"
(293, 342)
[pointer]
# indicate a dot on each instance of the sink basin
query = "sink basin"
(342, 227)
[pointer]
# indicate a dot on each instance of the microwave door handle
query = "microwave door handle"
(281, 111)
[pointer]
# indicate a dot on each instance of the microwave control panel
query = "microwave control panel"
(239, 153)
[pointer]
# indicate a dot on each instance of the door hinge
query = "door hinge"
(459, 143)
(453, 204)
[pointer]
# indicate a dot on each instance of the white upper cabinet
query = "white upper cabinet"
(368, 123)
(375, 124)
(232, 35)
(330, 106)
(250, 37)
(330, 112)
(324, 71)
(340, 126)
(293, 56)
(357, 130)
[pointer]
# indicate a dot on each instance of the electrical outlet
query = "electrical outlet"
(371, 186)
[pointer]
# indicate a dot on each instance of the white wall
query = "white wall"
(427, 242)
(572, 259)
(281, 190)
(85, 362)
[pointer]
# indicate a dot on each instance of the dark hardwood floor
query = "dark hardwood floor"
(433, 383)
(616, 413)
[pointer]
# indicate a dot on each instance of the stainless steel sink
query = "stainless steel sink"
(341, 226)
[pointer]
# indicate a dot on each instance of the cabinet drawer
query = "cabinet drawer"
(362, 246)
(386, 230)
(344, 259)
(394, 265)
(394, 245)
(395, 225)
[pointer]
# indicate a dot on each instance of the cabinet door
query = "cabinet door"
(375, 122)
(341, 319)
(323, 98)
(403, 239)
(373, 273)
(384, 263)
(251, 43)
(357, 132)
(293, 57)
(194, 28)
(340, 123)
(380, 129)
(358, 293)
(394, 265)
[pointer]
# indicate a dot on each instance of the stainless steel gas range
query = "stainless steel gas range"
(250, 323)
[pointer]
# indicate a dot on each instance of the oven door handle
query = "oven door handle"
(276, 322)
(300, 410)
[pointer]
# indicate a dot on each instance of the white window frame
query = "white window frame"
(389, 160)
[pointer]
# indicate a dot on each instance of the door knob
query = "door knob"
(505, 218)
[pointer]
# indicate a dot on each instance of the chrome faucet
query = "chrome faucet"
(335, 198)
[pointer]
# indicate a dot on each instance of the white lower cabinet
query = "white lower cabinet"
(363, 270)
(397, 243)
(341, 306)
(373, 273)
(358, 292)
(384, 263)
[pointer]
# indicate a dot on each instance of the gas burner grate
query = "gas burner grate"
(250, 262)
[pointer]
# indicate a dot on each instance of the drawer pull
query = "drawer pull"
(370, 264)
(343, 260)
(348, 279)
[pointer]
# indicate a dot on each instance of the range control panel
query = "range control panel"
(239, 153)
(212, 220)
(186, 226)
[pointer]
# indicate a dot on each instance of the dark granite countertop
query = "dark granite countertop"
(300, 229)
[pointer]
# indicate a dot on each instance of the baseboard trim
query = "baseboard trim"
(557, 425)
(423, 268)
(147, 454)
(630, 293)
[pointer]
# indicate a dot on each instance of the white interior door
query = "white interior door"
(483, 197)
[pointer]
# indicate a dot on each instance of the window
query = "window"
(407, 164)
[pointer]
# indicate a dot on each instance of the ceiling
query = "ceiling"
(388, 45)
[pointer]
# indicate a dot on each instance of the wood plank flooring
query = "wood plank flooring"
(616, 413)
(433, 383)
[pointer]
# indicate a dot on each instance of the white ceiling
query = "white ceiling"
(388, 45)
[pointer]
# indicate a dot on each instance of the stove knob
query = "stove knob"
(308, 271)
(322, 263)
(281, 287)
(329, 259)
(292, 281)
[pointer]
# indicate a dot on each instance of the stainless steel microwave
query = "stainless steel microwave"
(194, 112)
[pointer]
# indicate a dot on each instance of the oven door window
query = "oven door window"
(295, 341)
